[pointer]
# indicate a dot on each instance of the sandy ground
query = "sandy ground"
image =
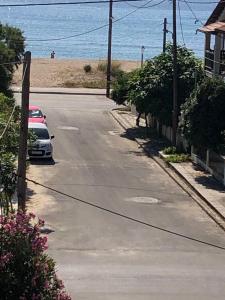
(67, 73)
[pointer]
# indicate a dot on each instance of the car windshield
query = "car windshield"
(40, 133)
(35, 113)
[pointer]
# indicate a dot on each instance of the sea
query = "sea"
(80, 31)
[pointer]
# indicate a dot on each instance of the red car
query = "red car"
(36, 115)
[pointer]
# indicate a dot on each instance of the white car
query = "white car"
(42, 147)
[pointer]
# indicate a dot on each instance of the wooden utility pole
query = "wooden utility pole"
(109, 60)
(142, 55)
(21, 184)
(175, 81)
(165, 31)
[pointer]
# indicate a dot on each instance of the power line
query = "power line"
(197, 19)
(204, 2)
(64, 3)
(181, 25)
(127, 2)
(97, 28)
(127, 217)
(12, 113)
(8, 122)
(192, 11)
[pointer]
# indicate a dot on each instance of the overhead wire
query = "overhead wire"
(64, 3)
(203, 2)
(13, 110)
(126, 216)
(207, 26)
(8, 122)
(132, 5)
(181, 25)
(97, 28)
(192, 11)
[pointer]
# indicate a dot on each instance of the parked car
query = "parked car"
(36, 115)
(42, 146)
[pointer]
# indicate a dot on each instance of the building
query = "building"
(214, 30)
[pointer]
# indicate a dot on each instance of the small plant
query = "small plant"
(26, 271)
(115, 68)
(177, 158)
(94, 84)
(170, 150)
(102, 67)
(87, 68)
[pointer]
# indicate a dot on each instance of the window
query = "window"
(35, 113)
(41, 133)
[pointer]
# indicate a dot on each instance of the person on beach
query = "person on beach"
(53, 54)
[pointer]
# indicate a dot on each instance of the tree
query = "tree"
(202, 120)
(11, 52)
(151, 87)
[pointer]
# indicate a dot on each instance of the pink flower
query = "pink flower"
(46, 285)
(4, 259)
(32, 216)
(41, 222)
(7, 227)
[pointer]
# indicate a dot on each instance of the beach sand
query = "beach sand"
(46, 72)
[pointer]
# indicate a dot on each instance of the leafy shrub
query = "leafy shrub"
(202, 120)
(151, 87)
(170, 150)
(177, 158)
(11, 50)
(87, 68)
(120, 89)
(26, 272)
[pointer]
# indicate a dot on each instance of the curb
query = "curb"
(63, 93)
(194, 189)
(171, 171)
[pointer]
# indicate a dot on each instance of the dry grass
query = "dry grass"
(68, 73)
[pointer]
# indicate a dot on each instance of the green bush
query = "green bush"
(170, 150)
(177, 158)
(120, 89)
(87, 68)
(202, 120)
(11, 50)
(151, 89)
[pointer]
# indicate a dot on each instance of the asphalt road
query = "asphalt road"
(105, 257)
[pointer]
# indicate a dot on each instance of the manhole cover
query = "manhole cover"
(146, 200)
(68, 128)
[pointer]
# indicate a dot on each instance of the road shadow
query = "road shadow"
(148, 138)
(207, 180)
(42, 161)
(46, 229)
(137, 132)
(30, 193)
(210, 182)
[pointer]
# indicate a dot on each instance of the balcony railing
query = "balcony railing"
(209, 61)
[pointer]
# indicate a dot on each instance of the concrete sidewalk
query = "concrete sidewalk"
(201, 186)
